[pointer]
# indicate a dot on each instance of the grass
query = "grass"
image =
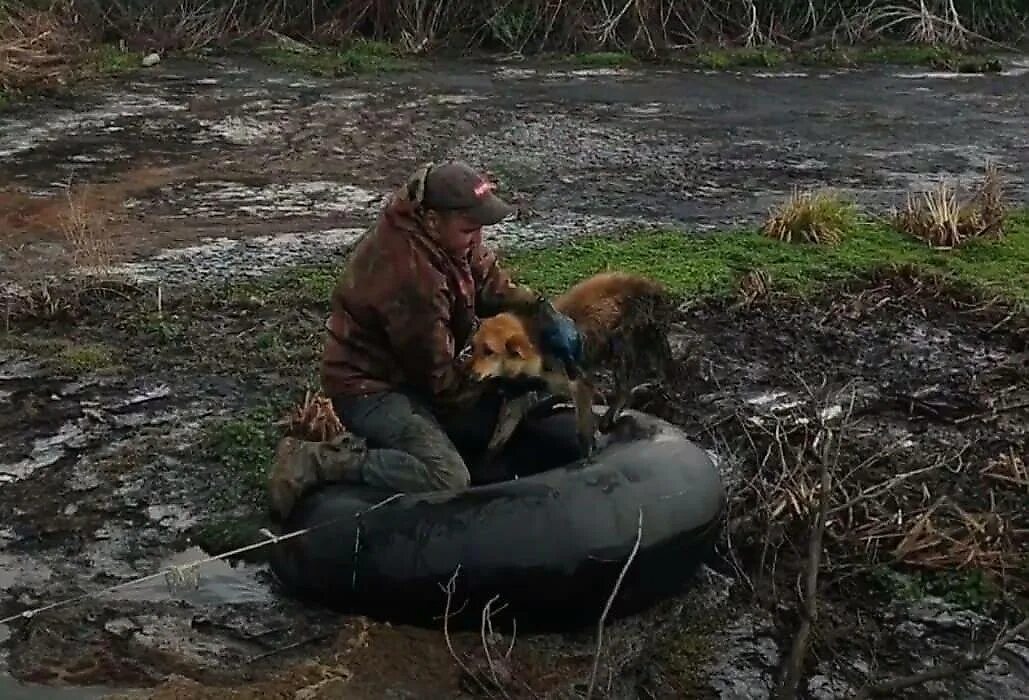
(64, 356)
(360, 56)
(939, 57)
(605, 59)
(944, 220)
(303, 284)
(110, 59)
(709, 265)
(812, 217)
(723, 59)
(245, 447)
(79, 359)
(967, 589)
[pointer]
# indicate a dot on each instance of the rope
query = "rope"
(178, 574)
(172, 573)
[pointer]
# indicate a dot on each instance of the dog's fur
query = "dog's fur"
(623, 319)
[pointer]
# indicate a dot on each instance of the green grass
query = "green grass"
(306, 285)
(709, 264)
(109, 59)
(724, 59)
(850, 56)
(360, 56)
(606, 59)
(245, 447)
(971, 589)
(79, 359)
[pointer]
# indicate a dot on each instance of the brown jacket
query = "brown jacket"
(403, 309)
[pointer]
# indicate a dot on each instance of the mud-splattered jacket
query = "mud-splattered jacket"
(403, 309)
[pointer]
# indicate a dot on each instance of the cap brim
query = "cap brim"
(492, 210)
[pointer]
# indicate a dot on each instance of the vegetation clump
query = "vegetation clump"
(811, 217)
(942, 220)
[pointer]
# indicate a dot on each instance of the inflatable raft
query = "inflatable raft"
(551, 544)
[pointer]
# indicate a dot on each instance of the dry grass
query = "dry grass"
(313, 419)
(89, 235)
(875, 516)
(754, 286)
(38, 47)
(819, 217)
(526, 26)
(942, 220)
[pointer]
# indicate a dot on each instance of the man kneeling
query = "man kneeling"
(405, 306)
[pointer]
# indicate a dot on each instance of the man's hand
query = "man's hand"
(560, 337)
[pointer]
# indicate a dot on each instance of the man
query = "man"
(405, 307)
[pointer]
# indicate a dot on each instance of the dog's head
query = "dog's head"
(502, 348)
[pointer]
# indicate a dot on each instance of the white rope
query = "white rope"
(183, 574)
(174, 575)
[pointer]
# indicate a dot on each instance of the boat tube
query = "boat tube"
(551, 544)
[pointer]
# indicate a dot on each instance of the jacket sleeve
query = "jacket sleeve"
(417, 322)
(495, 291)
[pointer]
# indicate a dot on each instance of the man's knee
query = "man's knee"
(451, 476)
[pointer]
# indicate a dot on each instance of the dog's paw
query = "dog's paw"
(588, 446)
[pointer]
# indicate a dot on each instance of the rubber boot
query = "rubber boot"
(300, 465)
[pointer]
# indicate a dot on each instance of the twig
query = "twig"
(969, 663)
(449, 590)
(795, 664)
(610, 602)
(992, 413)
(487, 621)
(290, 647)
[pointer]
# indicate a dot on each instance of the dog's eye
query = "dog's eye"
(487, 351)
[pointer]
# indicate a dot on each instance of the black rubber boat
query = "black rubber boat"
(551, 545)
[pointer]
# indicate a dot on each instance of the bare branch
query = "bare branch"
(610, 602)
(969, 663)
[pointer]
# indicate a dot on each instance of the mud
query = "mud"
(106, 471)
(265, 153)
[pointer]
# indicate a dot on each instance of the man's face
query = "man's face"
(458, 234)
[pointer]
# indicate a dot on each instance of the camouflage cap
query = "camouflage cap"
(456, 186)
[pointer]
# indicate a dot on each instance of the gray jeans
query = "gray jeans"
(409, 449)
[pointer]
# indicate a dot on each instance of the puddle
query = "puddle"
(211, 584)
(223, 199)
(45, 452)
(226, 259)
(11, 689)
(24, 135)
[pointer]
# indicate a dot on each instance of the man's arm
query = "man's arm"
(417, 322)
(495, 291)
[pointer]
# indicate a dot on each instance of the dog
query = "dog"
(623, 319)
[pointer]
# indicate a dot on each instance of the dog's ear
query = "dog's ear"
(415, 188)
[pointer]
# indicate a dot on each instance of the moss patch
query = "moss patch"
(723, 59)
(79, 359)
(941, 58)
(358, 57)
(971, 589)
(304, 285)
(225, 535)
(606, 59)
(64, 356)
(710, 264)
(245, 446)
(110, 59)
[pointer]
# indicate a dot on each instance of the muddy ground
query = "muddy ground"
(110, 468)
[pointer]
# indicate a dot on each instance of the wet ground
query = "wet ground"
(234, 149)
(230, 169)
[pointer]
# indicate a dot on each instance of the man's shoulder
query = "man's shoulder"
(388, 257)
